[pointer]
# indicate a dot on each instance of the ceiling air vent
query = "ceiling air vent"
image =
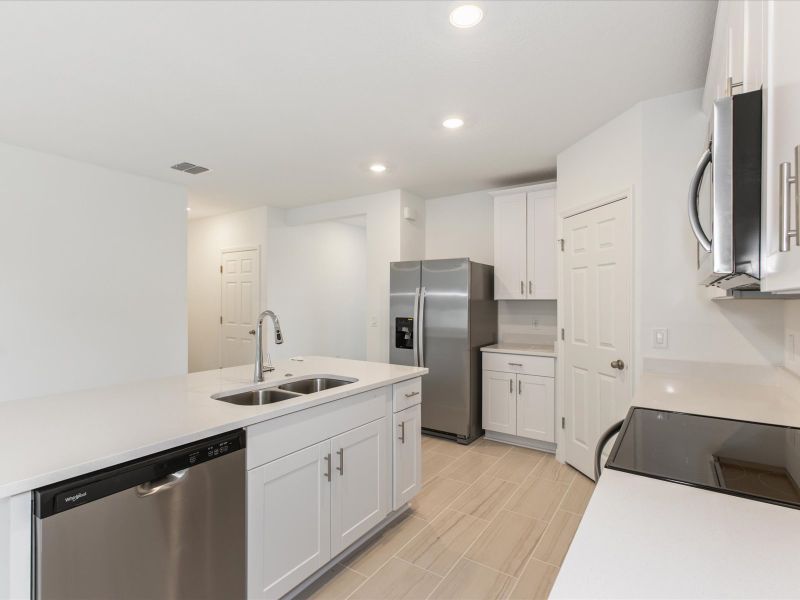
(190, 168)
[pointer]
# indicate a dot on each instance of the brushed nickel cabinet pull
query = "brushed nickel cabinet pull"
(522, 288)
(328, 471)
(402, 437)
(411, 394)
(340, 468)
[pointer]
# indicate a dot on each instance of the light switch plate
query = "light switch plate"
(661, 339)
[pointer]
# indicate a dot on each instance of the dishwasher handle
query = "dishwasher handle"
(159, 485)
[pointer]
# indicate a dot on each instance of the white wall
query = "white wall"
(526, 321)
(653, 149)
(388, 239)
(94, 264)
(317, 285)
(206, 239)
(461, 225)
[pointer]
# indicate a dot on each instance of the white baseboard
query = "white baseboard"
(516, 440)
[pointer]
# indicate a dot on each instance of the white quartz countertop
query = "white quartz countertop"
(57, 437)
(645, 538)
(548, 350)
(730, 398)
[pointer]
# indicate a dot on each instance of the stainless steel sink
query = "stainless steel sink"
(257, 397)
(314, 384)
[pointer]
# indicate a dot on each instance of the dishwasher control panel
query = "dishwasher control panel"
(153, 470)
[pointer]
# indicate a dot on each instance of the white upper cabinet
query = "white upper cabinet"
(525, 244)
(510, 232)
(781, 138)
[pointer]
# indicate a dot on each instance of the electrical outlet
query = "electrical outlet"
(661, 339)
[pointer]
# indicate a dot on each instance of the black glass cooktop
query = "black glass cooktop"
(753, 460)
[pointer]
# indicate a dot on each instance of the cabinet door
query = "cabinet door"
(541, 284)
(782, 102)
(407, 455)
(288, 521)
(536, 401)
(360, 490)
(510, 247)
(499, 402)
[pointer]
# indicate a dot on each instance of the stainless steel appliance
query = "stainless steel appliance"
(441, 313)
(729, 257)
(167, 526)
(752, 460)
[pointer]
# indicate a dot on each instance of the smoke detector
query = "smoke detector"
(190, 168)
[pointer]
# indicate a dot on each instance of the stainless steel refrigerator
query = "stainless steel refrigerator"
(441, 313)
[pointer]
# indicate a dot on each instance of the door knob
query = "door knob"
(617, 364)
(252, 332)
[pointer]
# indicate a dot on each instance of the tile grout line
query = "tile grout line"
(544, 533)
(498, 571)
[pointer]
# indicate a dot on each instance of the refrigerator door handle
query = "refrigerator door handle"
(421, 327)
(415, 332)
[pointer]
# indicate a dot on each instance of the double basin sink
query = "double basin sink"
(286, 391)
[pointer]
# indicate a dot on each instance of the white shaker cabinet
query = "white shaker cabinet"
(781, 139)
(407, 455)
(288, 508)
(525, 243)
(510, 246)
(359, 498)
(519, 399)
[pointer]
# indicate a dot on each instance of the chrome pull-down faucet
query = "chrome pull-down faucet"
(260, 367)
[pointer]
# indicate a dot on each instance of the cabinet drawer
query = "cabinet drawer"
(281, 436)
(514, 363)
(407, 393)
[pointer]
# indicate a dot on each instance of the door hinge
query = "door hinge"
(220, 319)
(563, 422)
(220, 268)
(562, 333)
(561, 242)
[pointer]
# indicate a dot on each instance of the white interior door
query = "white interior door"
(240, 299)
(597, 322)
(510, 247)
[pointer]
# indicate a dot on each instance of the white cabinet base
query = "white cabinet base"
(366, 539)
(516, 440)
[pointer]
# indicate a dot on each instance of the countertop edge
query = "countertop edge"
(28, 485)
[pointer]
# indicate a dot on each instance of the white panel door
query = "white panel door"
(510, 271)
(240, 298)
(541, 261)
(288, 521)
(536, 408)
(500, 402)
(782, 135)
(360, 490)
(407, 455)
(597, 272)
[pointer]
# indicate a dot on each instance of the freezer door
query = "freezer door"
(445, 345)
(404, 283)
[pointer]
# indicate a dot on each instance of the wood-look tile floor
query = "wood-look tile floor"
(492, 521)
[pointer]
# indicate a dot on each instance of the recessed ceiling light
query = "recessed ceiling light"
(466, 15)
(188, 209)
(453, 123)
(377, 168)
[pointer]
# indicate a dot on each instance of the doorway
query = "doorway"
(597, 275)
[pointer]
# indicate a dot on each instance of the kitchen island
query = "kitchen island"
(67, 435)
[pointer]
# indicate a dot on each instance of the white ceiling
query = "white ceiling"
(289, 102)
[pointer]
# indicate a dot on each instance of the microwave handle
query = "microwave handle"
(694, 191)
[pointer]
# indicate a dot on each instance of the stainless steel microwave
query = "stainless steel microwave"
(728, 227)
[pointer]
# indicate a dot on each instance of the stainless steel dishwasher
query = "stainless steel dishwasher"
(167, 526)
